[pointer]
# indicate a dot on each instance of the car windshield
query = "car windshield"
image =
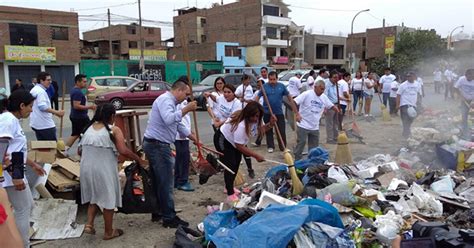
(209, 80)
(287, 76)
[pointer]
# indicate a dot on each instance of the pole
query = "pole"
(383, 37)
(111, 56)
(352, 40)
(450, 38)
(142, 59)
(389, 64)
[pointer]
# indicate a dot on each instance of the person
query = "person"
(183, 158)
(212, 109)
(32, 84)
(357, 90)
(393, 96)
(310, 81)
(465, 87)
(237, 131)
(294, 85)
(344, 97)
(55, 96)
(369, 92)
(322, 75)
(448, 83)
(407, 96)
(226, 105)
(332, 116)
(41, 119)
(275, 92)
(18, 85)
(19, 106)
(78, 116)
(438, 77)
(100, 186)
(260, 100)
(311, 104)
(385, 83)
(419, 102)
(264, 74)
(9, 235)
(163, 125)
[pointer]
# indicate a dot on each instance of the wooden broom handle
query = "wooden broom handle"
(62, 108)
(265, 98)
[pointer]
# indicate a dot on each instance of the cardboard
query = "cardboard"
(68, 167)
(60, 182)
(42, 151)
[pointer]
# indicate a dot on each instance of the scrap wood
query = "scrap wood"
(70, 166)
(60, 182)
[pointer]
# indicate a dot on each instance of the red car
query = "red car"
(141, 93)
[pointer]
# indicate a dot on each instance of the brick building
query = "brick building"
(34, 40)
(325, 51)
(259, 26)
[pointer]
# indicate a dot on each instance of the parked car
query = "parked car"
(142, 93)
(286, 77)
(207, 85)
(103, 84)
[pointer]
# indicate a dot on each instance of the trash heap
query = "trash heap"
(375, 202)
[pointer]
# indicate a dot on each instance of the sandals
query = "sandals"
(115, 233)
(89, 229)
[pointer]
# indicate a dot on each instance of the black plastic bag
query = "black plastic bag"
(139, 204)
(183, 239)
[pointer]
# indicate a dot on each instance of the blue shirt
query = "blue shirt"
(275, 94)
(165, 120)
(331, 92)
(77, 95)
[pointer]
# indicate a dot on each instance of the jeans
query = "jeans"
(465, 127)
(45, 134)
(231, 159)
(269, 133)
(448, 90)
(357, 94)
(331, 125)
(22, 203)
(55, 103)
(406, 121)
(385, 98)
(301, 136)
(392, 103)
(181, 167)
(161, 164)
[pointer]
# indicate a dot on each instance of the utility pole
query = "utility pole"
(351, 57)
(111, 56)
(142, 45)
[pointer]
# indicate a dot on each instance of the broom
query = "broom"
(383, 108)
(296, 182)
(60, 145)
(343, 152)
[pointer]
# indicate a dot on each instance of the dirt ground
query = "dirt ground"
(380, 137)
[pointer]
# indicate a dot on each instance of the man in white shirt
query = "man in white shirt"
(344, 97)
(322, 75)
(448, 83)
(465, 88)
(407, 96)
(312, 104)
(438, 77)
(294, 85)
(41, 119)
(264, 74)
(385, 83)
(310, 81)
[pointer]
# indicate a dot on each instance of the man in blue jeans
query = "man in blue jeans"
(163, 126)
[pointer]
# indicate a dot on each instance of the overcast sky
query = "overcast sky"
(328, 17)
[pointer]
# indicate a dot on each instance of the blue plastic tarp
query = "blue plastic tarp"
(274, 226)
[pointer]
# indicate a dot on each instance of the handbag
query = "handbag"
(138, 195)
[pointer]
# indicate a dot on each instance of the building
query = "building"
(325, 51)
(125, 43)
(35, 40)
(262, 27)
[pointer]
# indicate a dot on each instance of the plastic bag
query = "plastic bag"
(341, 193)
(425, 202)
(445, 185)
(388, 226)
(338, 174)
(411, 111)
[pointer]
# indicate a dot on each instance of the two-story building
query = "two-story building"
(325, 51)
(35, 40)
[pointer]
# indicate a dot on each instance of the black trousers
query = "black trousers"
(55, 103)
(269, 133)
(231, 159)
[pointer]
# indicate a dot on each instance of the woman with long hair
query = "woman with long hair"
(211, 105)
(19, 106)
(100, 185)
(357, 89)
(369, 91)
(236, 132)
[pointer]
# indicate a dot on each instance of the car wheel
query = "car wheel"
(117, 103)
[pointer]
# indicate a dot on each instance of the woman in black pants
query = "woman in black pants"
(237, 131)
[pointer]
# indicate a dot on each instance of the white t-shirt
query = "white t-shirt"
(437, 76)
(237, 136)
(419, 80)
(247, 95)
(343, 87)
(41, 119)
(186, 120)
(310, 82)
(465, 87)
(311, 108)
(409, 93)
(260, 99)
(386, 82)
(10, 127)
(357, 83)
(369, 83)
(225, 108)
(394, 89)
(449, 75)
(211, 104)
(294, 86)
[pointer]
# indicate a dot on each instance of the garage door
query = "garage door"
(23, 72)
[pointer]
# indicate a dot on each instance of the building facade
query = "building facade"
(35, 40)
(325, 51)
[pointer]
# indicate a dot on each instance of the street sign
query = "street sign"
(390, 45)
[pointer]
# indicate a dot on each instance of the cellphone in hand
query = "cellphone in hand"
(18, 165)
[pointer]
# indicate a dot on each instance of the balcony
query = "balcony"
(276, 20)
(274, 42)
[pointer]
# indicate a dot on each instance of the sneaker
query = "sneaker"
(232, 199)
(270, 150)
(186, 187)
(252, 174)
(174, 223)
(255, 144)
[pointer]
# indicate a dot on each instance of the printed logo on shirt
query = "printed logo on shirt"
(316, 106)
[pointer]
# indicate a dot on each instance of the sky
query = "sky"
(321, 17)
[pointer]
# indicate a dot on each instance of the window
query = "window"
(271, 33)
(363, 54)
(149, 44)
(203, 38)
(283, 52)
(203, 22)
(232, 51)
(23, 34)
(151, 31)
(139, 87)
(131, 30)
(129, 82)
(271, 10)
(114, 82)
(60, 33)
(271, 52)
(132, 44)
(101, 82)
(158, 86)
(338, 52)
(363, 42)
(322, 51)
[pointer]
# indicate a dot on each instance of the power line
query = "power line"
(105, 7)
(319, 9)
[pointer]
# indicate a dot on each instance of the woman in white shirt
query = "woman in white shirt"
(357, 86)
(392, 101)
(20, 104)
(236, 132)
(369, 92)
(218, 91)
